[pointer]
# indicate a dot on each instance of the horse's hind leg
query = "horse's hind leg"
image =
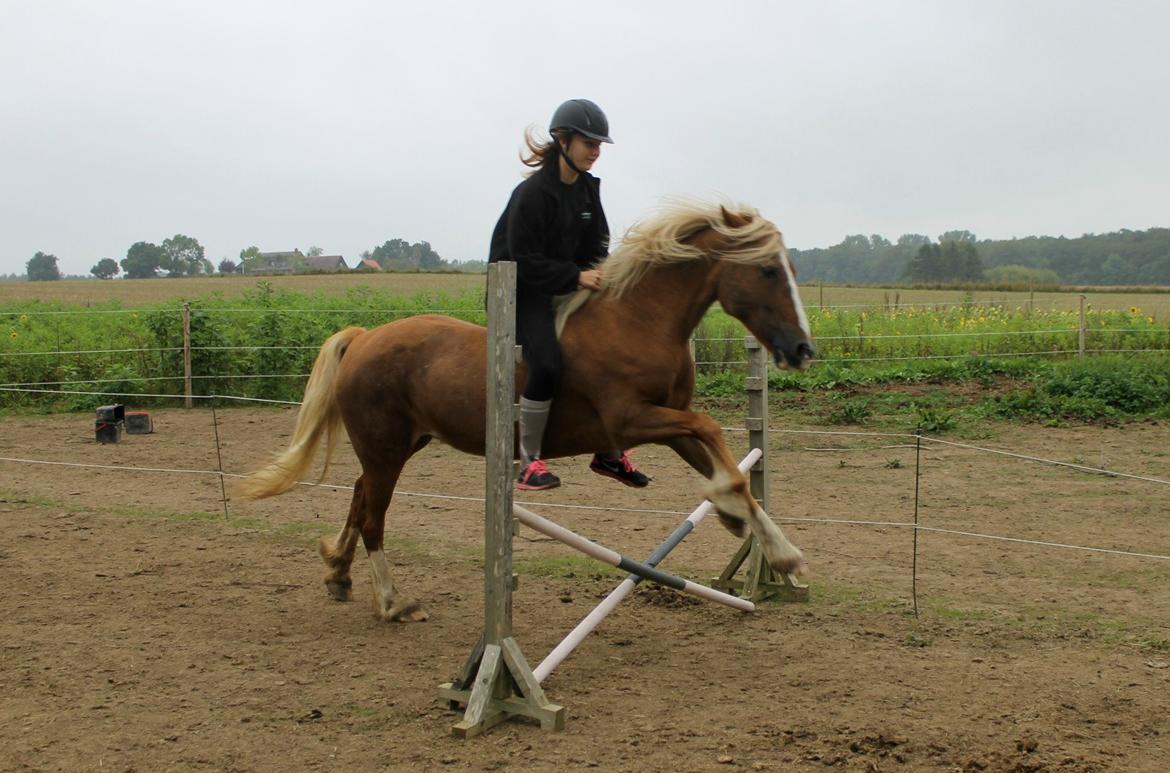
(337, 552)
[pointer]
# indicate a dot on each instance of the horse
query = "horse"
(628, 380)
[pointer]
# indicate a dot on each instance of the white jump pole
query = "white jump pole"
(614, 558)
(618, 594)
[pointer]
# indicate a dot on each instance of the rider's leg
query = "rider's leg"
(542, 355)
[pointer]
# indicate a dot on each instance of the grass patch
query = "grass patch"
(13, 498)
(853, 599)
(1161, 645)
(565, 567)
(940, 609)
(1031, 622)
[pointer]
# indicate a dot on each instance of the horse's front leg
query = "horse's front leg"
(698, 439)
(389, 605)
(693, 452)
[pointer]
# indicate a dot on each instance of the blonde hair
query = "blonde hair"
(660, 240)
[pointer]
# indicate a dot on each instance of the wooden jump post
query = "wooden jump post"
(496, 682)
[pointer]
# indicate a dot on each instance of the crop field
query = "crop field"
(133, 293)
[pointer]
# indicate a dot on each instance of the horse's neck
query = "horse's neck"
(671, 300)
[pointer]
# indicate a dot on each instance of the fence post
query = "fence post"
(1081, 331)
(187, 354)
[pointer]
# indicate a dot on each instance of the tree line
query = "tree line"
(183, 255)
(1119, 258)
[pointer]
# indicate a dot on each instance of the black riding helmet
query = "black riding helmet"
(583, 117)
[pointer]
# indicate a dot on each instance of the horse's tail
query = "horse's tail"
(318, 416)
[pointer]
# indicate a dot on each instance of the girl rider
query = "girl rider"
(555, 230)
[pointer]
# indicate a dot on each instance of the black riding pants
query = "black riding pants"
(536, 332)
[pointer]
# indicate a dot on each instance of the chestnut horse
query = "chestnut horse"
(628, 380)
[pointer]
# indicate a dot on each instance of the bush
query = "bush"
(1093, 389)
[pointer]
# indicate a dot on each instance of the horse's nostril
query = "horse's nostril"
(805, 351)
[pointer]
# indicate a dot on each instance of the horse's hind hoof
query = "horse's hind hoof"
(339, 590)
(407, 612)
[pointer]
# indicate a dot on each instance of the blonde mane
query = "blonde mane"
(659, 241)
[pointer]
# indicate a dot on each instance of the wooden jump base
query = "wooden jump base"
(618, 594)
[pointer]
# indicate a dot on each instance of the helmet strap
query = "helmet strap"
(563, 150)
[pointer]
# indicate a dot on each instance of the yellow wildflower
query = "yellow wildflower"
(24, 318)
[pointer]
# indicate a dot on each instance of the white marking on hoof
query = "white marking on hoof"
(782, 555)
(407, 612)
(726, 499)
(387, 605)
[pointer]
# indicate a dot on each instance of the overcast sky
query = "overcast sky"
(344, 124)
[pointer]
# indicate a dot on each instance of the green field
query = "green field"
(257, 338)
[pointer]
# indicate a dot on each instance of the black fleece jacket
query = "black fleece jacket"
(552, 230)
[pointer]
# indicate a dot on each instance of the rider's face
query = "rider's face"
(584, 152)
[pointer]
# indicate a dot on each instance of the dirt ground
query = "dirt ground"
(145, 630)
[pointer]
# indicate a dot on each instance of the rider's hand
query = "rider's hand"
(590, 280)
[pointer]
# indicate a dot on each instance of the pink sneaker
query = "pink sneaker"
(619, 469)
(536, 477)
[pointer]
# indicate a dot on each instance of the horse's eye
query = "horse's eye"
(769, 272)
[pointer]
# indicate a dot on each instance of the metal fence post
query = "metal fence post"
(1081, 331)
(187, 392)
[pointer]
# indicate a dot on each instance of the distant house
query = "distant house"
(368, 263)
(278, 262)
(326, 263)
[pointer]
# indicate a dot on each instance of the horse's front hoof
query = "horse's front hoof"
(339, 590)
(405, 612)
(789, 564)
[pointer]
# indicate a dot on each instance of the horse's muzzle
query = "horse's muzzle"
(797, 357)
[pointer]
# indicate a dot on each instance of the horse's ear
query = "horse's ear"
(732, 219)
